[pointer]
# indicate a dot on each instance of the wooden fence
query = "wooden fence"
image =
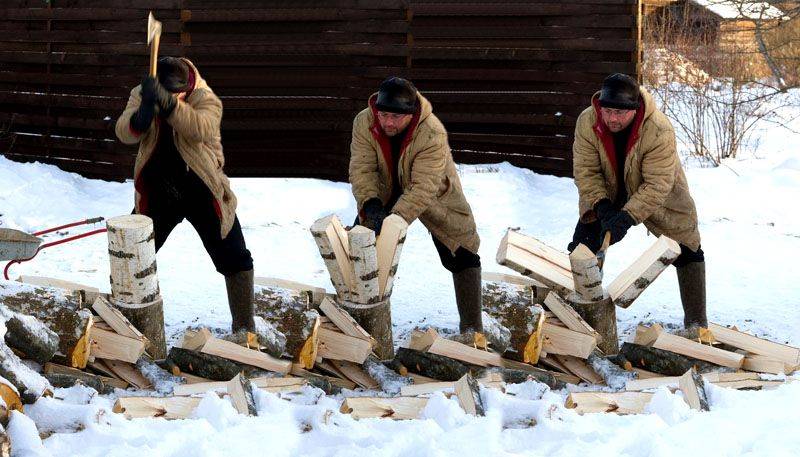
(508, 79)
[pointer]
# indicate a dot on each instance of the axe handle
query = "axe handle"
(601, 254)
(154, 54)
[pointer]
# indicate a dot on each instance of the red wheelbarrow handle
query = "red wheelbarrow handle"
(61, 241)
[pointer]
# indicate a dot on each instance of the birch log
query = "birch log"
(389, 245)
(134, 282)
(636, 278)
(586, 273)
(363, 256)
(334, 253)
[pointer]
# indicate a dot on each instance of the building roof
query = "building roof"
(738, 9)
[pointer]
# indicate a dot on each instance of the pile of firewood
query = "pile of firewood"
(556, 326)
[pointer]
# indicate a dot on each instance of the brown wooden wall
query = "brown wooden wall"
(507, 78)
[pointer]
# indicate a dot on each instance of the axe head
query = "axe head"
(153, 28)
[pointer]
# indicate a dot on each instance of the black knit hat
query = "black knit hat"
(620, 92)
(397, 95)
(173, 74)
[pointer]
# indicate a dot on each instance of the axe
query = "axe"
(153, 38)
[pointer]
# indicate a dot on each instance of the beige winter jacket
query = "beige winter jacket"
(431, 188)
(196, 128)
(658, 194)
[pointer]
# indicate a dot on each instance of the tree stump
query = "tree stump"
(134, 282)
(294, 317)
(376, 319)
(602, 316)
(514, 309)
(59, 310)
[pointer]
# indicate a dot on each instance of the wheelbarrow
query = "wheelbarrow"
(18, 246)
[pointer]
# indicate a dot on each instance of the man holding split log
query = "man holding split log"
(175, 117)
(400, 163)
(627, 171)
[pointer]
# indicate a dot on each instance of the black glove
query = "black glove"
(618, 223)
(166, 100)
(590, 235)
(603, 208)
(374, 214)
(143, 117)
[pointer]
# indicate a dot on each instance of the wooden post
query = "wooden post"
(602, 317)
(134, 283)
(376, 319)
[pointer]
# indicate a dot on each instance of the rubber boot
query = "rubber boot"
(240, 300)
(692, 284)
(467, 284)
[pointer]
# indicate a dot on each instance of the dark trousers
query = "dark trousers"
(194, 202)
(591, 235)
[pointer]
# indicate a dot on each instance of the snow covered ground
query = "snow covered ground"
(751, 233)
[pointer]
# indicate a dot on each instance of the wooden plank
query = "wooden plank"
(163, 407)
(646, 336)
(233, 351)
(110, 345)
(127, 372)
(464, 353)
(116, 320)
(338, 346)
(606, 402)
(317, 293)
(420, 340)
(398, 408)
(355, 373)
(579, 368)
(469, 396)
(414, 390)
(765, 364)
(750, 384)
(389, 245)
(787, 354)
(636, 278)
(241, 392)
(637, 385)
(566, 314)
(693, 388)
(534, 259)
(344, 321)
(274, 385)
(195, 339)
(679, 345)
(561, 340)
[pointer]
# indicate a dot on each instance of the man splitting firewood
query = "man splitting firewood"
(400, 163)
(627, 171)
(175, 117)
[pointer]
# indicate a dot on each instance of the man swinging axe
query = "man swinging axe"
(175, 118)
(400, 163)
(627, 171)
